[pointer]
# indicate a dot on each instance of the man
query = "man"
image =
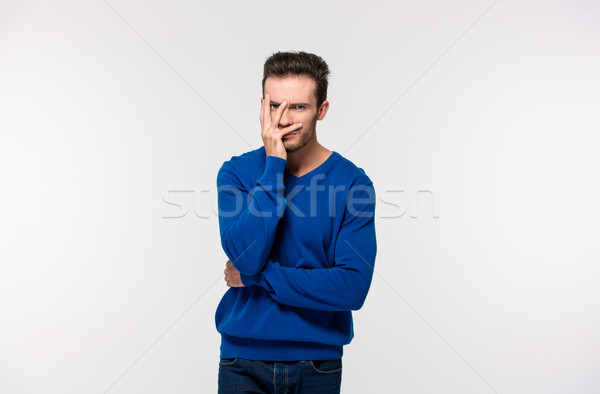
(297, 224)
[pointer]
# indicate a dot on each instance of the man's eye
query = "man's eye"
(300, 107)
(274, 106)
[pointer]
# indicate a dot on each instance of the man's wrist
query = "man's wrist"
(274, 167)
(251, 280)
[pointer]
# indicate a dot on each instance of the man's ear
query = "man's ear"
(323, 110)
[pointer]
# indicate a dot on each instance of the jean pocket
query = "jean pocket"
(227, 360)
(326, 366)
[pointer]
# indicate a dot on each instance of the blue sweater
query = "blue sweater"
(305, 248)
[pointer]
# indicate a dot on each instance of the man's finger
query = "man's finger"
(278, 114)
(266, 110)
(262, 110)
(290, 128)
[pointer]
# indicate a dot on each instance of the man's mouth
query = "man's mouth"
(289, 134)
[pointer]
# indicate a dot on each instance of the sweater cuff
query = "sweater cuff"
(252, 280)
(274, 166)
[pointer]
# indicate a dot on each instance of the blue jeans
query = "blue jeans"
(239, 375)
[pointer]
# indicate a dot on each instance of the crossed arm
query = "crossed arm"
(247, 240)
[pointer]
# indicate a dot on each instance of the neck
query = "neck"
(308, 158)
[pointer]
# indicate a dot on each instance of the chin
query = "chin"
(291, 149)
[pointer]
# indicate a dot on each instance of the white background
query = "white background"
(115, 116)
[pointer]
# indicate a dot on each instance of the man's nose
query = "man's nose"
(286, 119)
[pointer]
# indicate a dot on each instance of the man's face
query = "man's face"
(299, 92)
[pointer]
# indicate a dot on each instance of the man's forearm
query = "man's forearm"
(344, 285)
(248, 232)
(332, 289)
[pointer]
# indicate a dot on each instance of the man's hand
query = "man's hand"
(271, 133)
(232, 276)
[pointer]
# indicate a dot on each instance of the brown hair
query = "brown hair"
(281, 64)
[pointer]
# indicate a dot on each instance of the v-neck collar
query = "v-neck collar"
(324, 166)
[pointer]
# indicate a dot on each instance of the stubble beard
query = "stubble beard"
(303, 138)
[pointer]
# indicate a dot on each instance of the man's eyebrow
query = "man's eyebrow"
(291, 104)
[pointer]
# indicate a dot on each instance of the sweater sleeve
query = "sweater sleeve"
(248, 218)
(341, 287)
